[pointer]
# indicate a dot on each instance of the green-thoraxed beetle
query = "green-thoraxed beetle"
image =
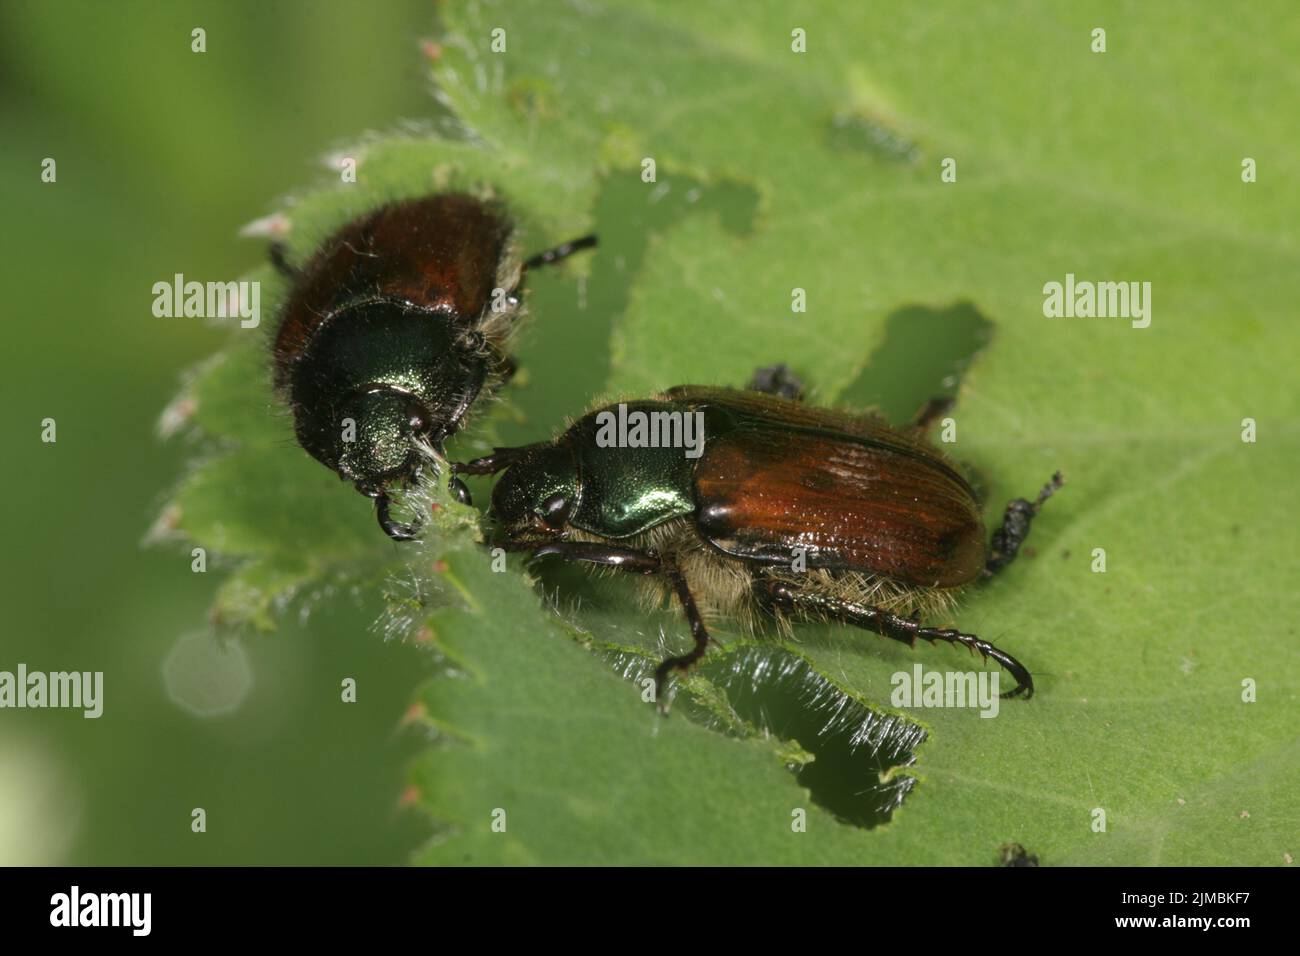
(393, 329)
(750, 505)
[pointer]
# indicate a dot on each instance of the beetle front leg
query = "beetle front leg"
(1015, 527)
(788, 597)
(643, 562)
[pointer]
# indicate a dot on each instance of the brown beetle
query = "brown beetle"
(394, 328)
(786, 511)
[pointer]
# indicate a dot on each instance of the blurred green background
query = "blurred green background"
(163, 154)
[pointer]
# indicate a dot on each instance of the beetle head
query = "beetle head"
(377, 379)
(537, 494)
(382, 423)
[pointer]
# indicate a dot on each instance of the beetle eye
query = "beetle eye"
(554, 511)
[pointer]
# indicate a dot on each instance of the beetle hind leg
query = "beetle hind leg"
(1015, 527)
(777, 380)
(779, 595)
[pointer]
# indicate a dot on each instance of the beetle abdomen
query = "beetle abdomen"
(440, 253)
(850, 503)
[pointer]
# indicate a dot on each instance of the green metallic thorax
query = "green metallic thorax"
(614, 490)
(628, 490)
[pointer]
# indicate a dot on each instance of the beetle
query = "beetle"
(392, 330)
(790, 512)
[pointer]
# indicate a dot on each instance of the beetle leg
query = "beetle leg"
(559, 253)
(460, 491)
(394, 529)
(643, 562)
(788, 597)
(280, 260)
(683, 662)
(777, 380)
(1015, 527)
(930, 412)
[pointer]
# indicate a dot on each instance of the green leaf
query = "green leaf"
(777, 170)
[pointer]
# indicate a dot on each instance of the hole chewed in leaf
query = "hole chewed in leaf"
(846, 754)
(629, 214)
(924, 354)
